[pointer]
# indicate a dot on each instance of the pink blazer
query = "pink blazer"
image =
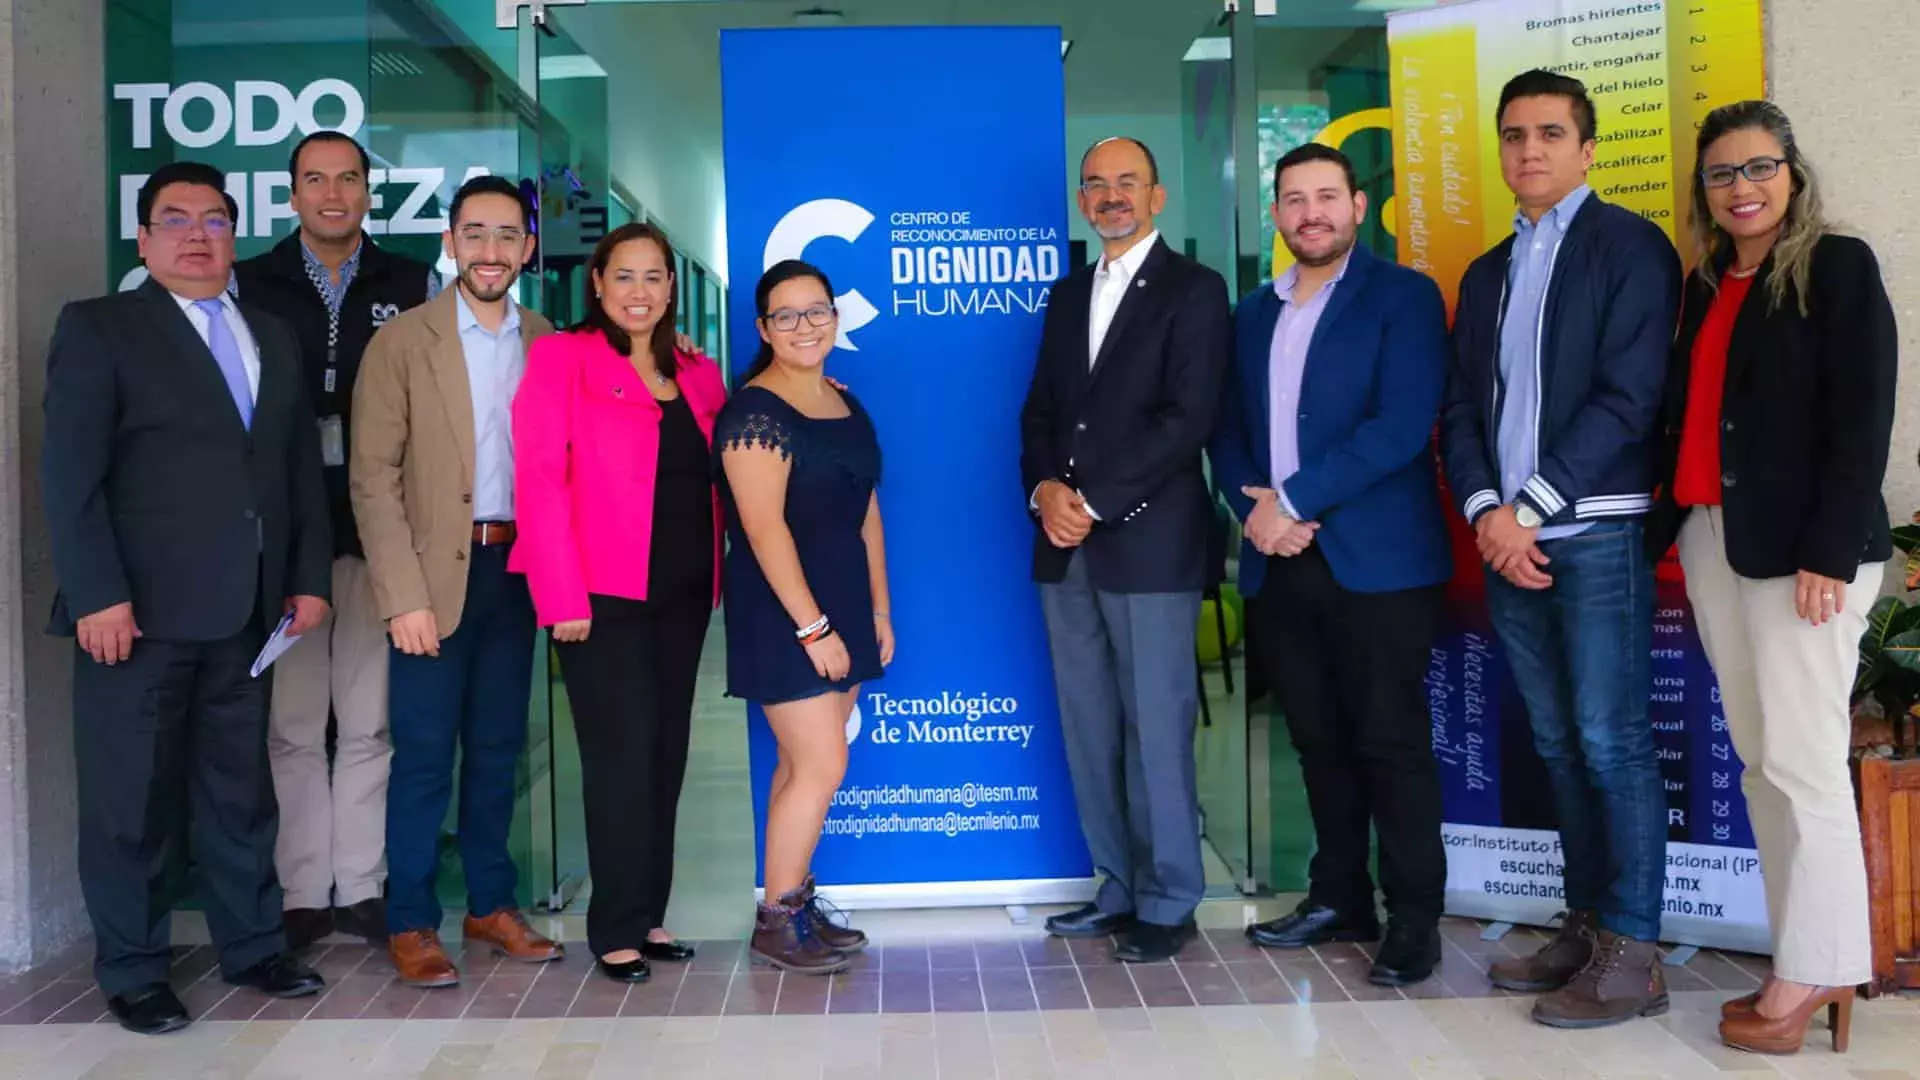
(586, 444)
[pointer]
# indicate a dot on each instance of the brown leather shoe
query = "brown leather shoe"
(510, 935)
(1556, 963)
(821, 925)
(1621, 982)
(782, 938)
(1757, 1033)
(421, 960)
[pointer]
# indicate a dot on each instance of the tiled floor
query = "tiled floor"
(941, 994)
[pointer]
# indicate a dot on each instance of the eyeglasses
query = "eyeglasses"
(477, 235)
(1098, 189)
(1759, 171)
(177, 225)
(787, 320)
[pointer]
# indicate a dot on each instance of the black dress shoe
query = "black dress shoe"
(630, 971)
(668, 952)
(1150, 943)
(279, 976)
(305, 926)
(1313, 924)
(1408, 956)
(150, 1010)
(366, 920)
(1087, 921)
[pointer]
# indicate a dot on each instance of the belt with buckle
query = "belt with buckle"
(493, 533)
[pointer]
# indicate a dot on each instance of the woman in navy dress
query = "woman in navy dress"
(806, 590)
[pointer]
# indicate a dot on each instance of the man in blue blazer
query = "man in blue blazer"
(1322, 449)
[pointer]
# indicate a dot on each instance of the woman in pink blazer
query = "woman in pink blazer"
(612, 432)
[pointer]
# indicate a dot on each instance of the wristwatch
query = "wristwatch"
(1526, 516)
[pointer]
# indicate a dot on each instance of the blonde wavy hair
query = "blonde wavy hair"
(1800, 231)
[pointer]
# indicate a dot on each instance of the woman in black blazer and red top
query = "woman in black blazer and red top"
(1779, 413)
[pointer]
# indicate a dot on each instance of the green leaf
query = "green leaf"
(1903, 651)
(1907, 537)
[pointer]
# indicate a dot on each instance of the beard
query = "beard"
(1341, 246)
(1114, 232)
(482, 292)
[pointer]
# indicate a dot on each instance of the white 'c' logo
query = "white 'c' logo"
(817, 220)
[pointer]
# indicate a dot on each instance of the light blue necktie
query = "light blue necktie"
(226, 352)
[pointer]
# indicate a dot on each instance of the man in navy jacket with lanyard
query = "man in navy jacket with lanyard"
(1549, 437)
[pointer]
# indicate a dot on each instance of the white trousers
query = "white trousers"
(332, 847)
(1784, 687)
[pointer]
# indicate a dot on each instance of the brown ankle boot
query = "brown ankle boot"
(1556, 963)
(1622, 981)
(782, 937)
(820, 922)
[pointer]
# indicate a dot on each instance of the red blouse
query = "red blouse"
(1696, 481)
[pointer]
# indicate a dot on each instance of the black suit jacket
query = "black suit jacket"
(1128, 431)
(1805, 421)
(156, 493)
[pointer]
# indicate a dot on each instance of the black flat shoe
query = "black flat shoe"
(366, 920)
(1150, 943)
(304, 926)
(280, 977)
(667, 952)
(150, 1010)
(631, 971)
(1087, 921)
(1409, 955)
(1312, 924)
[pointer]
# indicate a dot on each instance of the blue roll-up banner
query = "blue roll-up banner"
(924, 170)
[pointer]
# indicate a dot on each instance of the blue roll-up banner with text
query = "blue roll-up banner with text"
(924, 170)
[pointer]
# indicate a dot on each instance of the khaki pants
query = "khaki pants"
(332, 844)
(1785, 686)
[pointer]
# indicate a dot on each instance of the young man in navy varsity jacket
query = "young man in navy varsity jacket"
(1549, 439)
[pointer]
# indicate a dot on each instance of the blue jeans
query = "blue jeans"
(474, 694)
(1579, 654)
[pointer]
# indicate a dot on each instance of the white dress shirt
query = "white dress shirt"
(495, 362)
(1110, 283)
(237, 324)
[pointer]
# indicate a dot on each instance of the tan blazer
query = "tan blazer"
(411, 465)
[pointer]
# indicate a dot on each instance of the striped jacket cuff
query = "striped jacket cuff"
(1544, 496)
(1480, 502)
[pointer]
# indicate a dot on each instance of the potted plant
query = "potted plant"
(1886, 774)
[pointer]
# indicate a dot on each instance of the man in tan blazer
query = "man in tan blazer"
(431, 472)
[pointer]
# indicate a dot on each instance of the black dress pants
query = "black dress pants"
(1348, 670)
(175, 737)
(630, 685)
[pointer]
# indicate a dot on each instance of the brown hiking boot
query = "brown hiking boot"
(783, 937)
(511, 936)
(1556, 962)
(421, 960)
(1621, 982)
(820, 922)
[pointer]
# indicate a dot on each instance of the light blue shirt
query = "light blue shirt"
(495, 363)
(1287, 369)
(1529, 270)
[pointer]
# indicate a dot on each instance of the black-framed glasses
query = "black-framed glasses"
(787, 320)
(1759, 170)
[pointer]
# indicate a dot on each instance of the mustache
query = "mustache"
(1112, 205)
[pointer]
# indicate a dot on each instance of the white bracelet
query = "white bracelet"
(812, 628)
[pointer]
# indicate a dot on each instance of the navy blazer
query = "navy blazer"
(1368, 403)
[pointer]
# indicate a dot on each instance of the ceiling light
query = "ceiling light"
(817, 16)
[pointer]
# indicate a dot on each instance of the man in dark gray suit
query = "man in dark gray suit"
(184, 497)
(1122, 401)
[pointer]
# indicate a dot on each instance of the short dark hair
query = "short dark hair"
(196, 173)
(1306, 152)
(293, 160)
(489, 185)
(1153, 163)
(1542, 83)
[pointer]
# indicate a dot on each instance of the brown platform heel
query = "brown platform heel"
(1759, 1034)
